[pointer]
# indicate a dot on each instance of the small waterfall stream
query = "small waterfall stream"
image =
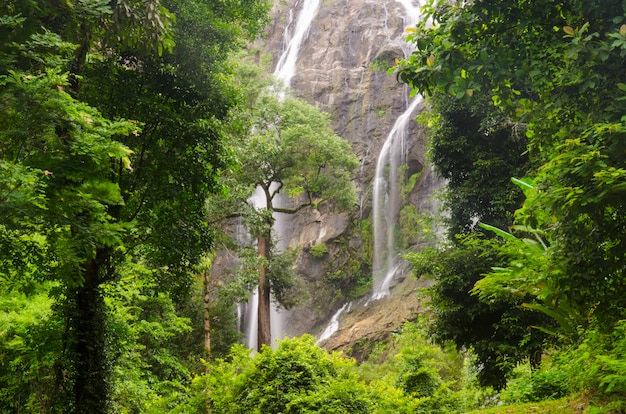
(333, 325)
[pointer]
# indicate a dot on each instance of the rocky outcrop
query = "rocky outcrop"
(342, 69)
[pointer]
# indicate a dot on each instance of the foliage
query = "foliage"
(318, 250)
(30, 342)
(291, 144)
(438, 378)
(556, 70)
(597, 364)
(111, 137)
(297, 377)
(499, 332)
(145, 326)
(550, 382)
(476, 149)
(529, 272)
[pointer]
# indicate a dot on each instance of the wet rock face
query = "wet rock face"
(342, 69)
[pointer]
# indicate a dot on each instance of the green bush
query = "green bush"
(548, 383)
(598, 365)
(296, 377)
(30, 343)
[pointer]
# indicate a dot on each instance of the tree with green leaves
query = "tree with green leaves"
(477, 151)
(557, 70)
(289, 148)
(499, 332)
(111, 137)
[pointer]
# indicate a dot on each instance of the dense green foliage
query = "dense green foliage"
(111, 137)
(499, 332)
(477, 151)
(299, 377)
(553, 71)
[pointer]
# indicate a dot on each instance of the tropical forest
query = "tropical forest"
(312, 206)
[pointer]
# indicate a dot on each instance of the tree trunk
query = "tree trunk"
(207, 315)
(264, 335)
(87, 336)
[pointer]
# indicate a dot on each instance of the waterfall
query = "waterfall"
(251, 320)
(386, 202)
(386, 186)
(333, 325)
(286, 66)
(247, 313)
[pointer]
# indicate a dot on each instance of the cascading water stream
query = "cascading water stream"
(386, 201)
(286, 66)
(334, 323)
(386, 187)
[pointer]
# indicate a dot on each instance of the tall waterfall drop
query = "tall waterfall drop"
(293, 38)
(386, 203)
(386, 187)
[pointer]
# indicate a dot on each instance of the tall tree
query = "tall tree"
(95, 192)
(289, 148)
(477, 150)
(556, 68)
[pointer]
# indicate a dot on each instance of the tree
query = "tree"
(477, 150)
(557, 69)
(498, 331)
(288, 148)
(111, 138)
(293, 147)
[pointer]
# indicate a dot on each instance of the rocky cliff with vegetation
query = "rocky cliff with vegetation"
(342, 69)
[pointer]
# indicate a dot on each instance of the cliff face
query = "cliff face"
(342, 69)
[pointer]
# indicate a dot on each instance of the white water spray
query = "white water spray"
(333, 325)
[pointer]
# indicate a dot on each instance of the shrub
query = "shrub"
(550, 382)
(319, 250)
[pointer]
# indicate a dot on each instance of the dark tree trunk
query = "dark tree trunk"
(264, 329)
(207, 315)
(88, 339)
